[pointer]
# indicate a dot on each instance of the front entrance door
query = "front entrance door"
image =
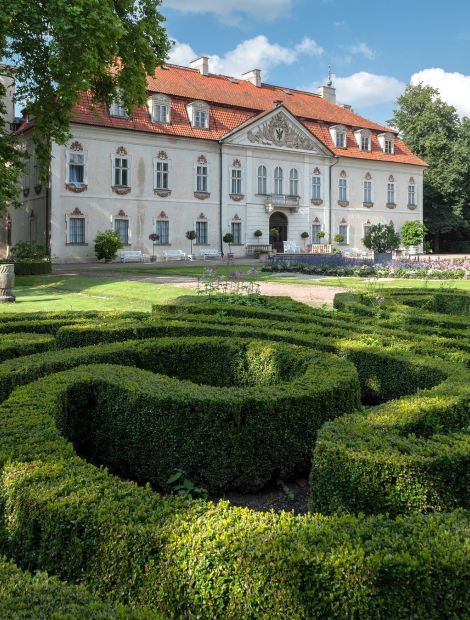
(278, 221)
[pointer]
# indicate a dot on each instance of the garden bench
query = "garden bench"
(210, 254)
(174, 255)
(128, 256)
(290, 247)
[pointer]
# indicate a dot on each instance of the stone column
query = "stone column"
(7, 281)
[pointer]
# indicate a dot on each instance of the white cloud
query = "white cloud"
(181, 54)
(231, 9)
(255, 53)
(362, 49)
(309, 46)
(367, 89)
(454, 88)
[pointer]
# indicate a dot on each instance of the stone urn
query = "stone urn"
(7, 282)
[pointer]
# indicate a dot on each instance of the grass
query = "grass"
(196, 270)
(366, 283)
(61, 293)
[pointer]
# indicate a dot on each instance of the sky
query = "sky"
(375, 47)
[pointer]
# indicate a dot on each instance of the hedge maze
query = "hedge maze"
(97, 411)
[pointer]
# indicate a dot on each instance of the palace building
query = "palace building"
(216, 154)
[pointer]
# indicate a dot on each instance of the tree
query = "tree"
(381, 238)
(107, 243)
(412, 232)
(191, 235)
(304, 236)
(228, 238)
(434, 132)
(60, 49)
(11, 163)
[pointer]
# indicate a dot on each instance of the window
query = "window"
(316, 228)
(366, 229)
(76, 230)
(200, 119)
(162, 229)
(237, 233)
(26, 171)
(121, 226)
(293, 182)
(367, 191)
(76, 170)
(162, 175)
(117, 109)
(316, 187)
(262, 180)
(159, 106)
(236, 181)
(121, 171)
(340, 140)
(365, 143)
(343, 231)
(412, 194)
(388, 145)
(201, 178)
(201, 233)
(343, 190)
(278, 180)
(391, 193)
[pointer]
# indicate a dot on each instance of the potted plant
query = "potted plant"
(412, 235)
(107, 243)
(304, 236)
(153, 238)
(338, 238)
(229, 238)
(382, 239)
(258, 233)
(191, 235)
(321, 234)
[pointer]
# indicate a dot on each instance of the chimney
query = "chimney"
(253, 76)
(201, 64)
(328, 91)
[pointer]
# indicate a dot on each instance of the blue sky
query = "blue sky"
(375, 47)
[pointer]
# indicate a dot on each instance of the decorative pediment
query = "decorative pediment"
(121, 151)
(202, 217)
(317, 170)
(343, 174)
(236, 218)
(122, 213)
(280, 131)
(411, 181)
(162, 155)
(343, 221)
(77, 211)
(162, 215)
(76, 146)
(368, 176)
(316, 221)
(391, 178)
(202, 159)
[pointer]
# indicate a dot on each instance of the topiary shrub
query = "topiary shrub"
(107, 244)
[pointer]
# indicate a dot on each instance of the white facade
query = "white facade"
(211, 187)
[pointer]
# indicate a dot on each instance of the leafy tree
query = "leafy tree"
(11, 162)
(382, 238)
(433, 130)
(412, 232)
(107, 243)
(61, 48)
(191, 235)
(229, 238)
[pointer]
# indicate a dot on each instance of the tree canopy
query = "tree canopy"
(434, 131)
(59, 48)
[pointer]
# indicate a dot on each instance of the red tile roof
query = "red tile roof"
(233, 102)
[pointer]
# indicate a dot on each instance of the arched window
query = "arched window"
(278, 178)
(412, 192)
(262, 187)
(293, 182)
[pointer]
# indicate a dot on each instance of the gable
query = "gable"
(277, 129)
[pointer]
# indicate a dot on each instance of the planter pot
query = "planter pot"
(7, 281)
(153, 259)
(382, 257)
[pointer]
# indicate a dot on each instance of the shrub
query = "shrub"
(29, 251)
(382, 238)
(413, 232)
(107, 243)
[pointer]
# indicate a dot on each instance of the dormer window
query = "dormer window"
(117, 108)
(159, 108)
(198, 112)
(387, 142)
(363, 139)
(338, 135)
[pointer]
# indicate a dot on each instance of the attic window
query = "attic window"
(198, 112)
(387, 142)
(287, 91)
(233, 80)
(159, 108)
(118, 109)
(338, 135)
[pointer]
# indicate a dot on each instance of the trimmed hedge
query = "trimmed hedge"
(30, 267)
(39, 597)
(194, 559)
(236, 437)
(15, 345)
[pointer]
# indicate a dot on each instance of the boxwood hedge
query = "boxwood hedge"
(188, 558)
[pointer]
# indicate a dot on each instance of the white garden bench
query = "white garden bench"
(290, 247)
(128, 256)
(209, 253)
(174, 255)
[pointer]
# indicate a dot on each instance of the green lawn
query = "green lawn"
(195, 270)
(60, 293)
(365, 283)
